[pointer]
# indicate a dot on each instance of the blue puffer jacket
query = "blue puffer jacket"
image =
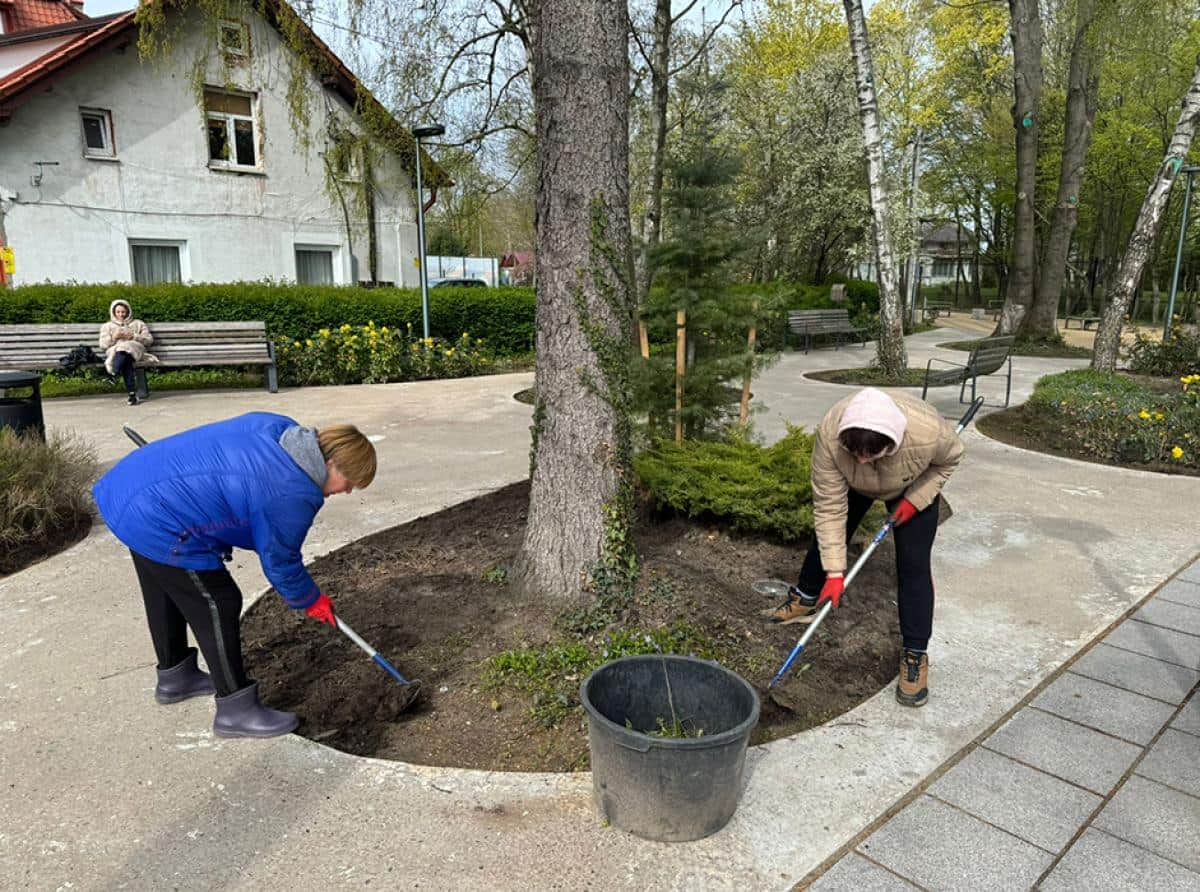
(188, 500)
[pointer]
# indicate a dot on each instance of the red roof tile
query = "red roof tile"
(22, 15)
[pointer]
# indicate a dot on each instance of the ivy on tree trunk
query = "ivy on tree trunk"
(580, 503)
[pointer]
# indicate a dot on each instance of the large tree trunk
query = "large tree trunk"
(892, 355)
(1083, 87)
(1122, 286)
(1027, 83)
(581, 450)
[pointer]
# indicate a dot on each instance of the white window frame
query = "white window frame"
(109, 150)
(230, 136)
(185, 266)
(334, 252)
(242, 52)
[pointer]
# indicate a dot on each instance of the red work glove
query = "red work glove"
(905, 512)
(832, 590)
(322, 610)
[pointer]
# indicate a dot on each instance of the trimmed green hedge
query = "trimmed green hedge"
(502, 317)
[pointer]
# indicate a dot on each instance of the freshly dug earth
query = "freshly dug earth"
(868, 376)
(1027, 427)
(418, 593)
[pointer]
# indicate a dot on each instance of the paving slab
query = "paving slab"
(106, 789)
(1101, 706)
(1192, 573)
(1035, 806)
(1100, 861)
(1189, 718)
(1138, 673)
(1175, 761)
(940, 847)
(1155, 641)
(1157, 818)
(854, 873)
(1181, 591)
(1051, 744)
(1170, 615)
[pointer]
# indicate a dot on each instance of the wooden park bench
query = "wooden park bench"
(987, 356)
(808, 324)
(1084, 321)
(176, 344)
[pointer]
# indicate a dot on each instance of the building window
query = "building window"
(155, 262)
(943, 269)
(232, 131)
(314, 266)
(233, 39)
(97, 133)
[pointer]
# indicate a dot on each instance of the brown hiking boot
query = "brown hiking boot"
(798, 608)
(912, 688)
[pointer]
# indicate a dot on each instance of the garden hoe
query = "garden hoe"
(410, 688)
(858, 565)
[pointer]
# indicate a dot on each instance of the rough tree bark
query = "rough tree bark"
(1083, 87)
(581, 449)
(659, 93)
(892, 355)
(1027, 82)
(1122, 285)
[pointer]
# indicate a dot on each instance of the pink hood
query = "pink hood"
(874, 410)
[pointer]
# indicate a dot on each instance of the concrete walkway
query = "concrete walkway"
(103, 789)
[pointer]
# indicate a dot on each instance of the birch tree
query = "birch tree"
(1120, 291)
(892, 355)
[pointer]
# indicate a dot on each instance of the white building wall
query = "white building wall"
(78, 224)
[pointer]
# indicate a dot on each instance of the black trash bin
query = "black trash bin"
(670, 789)
(22, 413)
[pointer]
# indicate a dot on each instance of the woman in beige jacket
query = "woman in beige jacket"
(124, 341)
(898, 449)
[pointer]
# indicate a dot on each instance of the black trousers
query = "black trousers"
(914, 547)
(209, 602)
(123, 365)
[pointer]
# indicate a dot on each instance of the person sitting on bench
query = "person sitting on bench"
(124, 341)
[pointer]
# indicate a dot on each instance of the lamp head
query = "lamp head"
(424, 131)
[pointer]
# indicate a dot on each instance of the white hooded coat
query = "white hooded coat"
(139, 337)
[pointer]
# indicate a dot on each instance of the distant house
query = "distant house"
(192, 167)
(516, 268)
(944, 251)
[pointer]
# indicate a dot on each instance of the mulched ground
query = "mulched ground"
(1025, 426)
(417, 592)
(868, 377)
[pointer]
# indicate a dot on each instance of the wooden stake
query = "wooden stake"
(680, 360)
(744, 412)
(644, 339)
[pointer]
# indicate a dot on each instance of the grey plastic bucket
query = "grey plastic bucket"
(668, 789)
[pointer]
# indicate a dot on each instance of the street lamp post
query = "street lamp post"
(1183, 222)
(423, 131)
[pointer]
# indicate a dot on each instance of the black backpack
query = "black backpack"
(79, 356)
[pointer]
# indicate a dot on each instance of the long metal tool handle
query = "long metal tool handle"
(370, 651)
(888, 526)
(137, 438)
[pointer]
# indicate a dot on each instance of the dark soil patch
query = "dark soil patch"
(72, 529)
(868, 377)
(1054, 351)
(418, 593)
(1027, 427)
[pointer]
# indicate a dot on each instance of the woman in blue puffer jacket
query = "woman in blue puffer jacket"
(182, 504)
